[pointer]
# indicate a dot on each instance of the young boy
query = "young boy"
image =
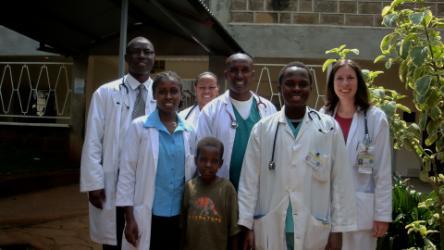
(210, 202)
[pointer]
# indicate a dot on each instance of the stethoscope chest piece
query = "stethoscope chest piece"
(271, 165)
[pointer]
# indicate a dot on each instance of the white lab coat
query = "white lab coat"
(215, 120)
(193, 114)
(137, 176)
(321, 194)
(109, 116)
(373, 191)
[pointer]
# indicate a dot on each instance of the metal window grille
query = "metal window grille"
(35, 93)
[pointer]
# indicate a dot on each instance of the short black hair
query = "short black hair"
(295, 64)
(212, 142)
(361, 97)
(237, 56)
(166, 76)
(134, 40)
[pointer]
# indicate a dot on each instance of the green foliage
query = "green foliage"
(415, 43)
(415, 224)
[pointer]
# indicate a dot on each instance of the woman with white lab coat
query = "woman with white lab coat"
(366, 131)
(218, 119)
(295, 169)
(206, 89)
(137, 186)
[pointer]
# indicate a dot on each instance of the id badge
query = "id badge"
(365, 162)
(314, 160)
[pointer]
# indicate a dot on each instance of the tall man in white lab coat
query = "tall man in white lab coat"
(296, 185)
(113, 106)
(231, 116)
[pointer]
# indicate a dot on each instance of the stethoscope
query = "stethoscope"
(191, 111)
(233, 122)
(126, 89)
(127, 92)
(272, 164)
(367, 140)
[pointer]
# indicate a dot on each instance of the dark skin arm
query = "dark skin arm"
(234, 242)
(131, 228)
(248, 239)
(334, 241)
(97, 198)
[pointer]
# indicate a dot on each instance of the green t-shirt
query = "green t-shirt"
(241, 137)
(209, 214)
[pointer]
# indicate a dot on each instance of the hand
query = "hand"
(379, 228)
(131, 232)
(334, 241)
(97, 198)
(249, 240)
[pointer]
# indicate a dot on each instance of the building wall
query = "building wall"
(276, 32)
(316, 12)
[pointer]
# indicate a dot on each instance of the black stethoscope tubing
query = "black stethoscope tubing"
(191, 111)
(272, 164)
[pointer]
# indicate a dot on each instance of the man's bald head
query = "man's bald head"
(136, 40)
(238, 57)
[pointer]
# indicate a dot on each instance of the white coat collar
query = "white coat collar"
(226, 97)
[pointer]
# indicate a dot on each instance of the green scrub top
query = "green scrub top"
(243, 131)
(289, 223)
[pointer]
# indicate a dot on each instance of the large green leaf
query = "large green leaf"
(379, 58)
(389, 108)
(390, 20)
(327, 63)
(417, 17)
(404, 48)
(387, 42)
(403, 71)
(428, 16)
(423, 85)
(436, 113)
(419, 54)
(403, 108)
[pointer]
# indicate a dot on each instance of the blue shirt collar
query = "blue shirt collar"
(153, 121)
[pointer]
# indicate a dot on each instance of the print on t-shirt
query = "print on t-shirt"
(203, 209)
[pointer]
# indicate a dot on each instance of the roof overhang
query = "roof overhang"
(82, 27)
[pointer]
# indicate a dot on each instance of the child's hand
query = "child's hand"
(131, 232)
(249, 240)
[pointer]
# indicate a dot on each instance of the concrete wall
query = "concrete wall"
(306, 28)
(276, 32)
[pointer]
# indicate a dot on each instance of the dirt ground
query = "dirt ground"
(55, 218)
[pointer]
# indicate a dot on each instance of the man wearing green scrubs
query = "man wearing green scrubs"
(231, 116)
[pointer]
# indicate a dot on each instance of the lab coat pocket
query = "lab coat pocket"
(316, 236)
(365, 208)
(269, 229)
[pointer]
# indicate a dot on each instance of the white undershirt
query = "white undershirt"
(243, 107)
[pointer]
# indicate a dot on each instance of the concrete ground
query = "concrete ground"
(55, 218)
